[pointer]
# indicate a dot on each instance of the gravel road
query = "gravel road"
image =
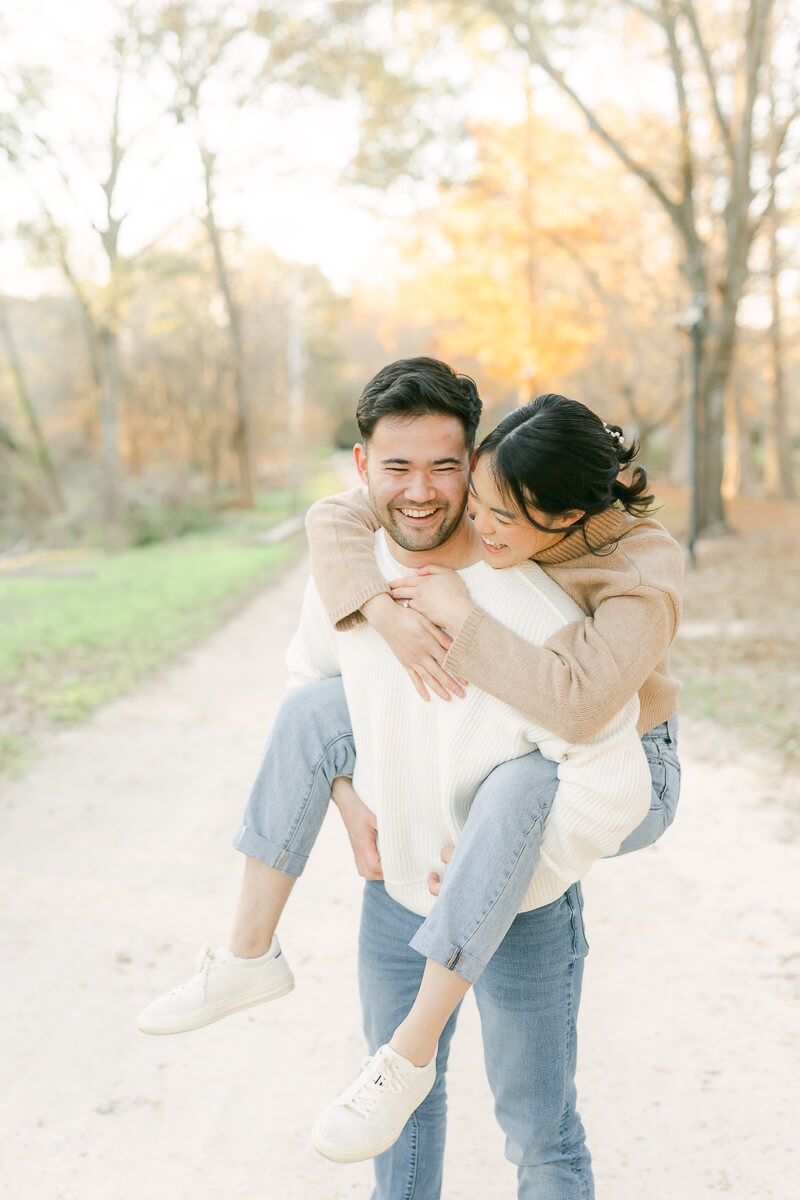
(115, 865)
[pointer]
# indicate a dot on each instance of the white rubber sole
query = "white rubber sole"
(199, 1017)
(338, 1155)
(353, 1154)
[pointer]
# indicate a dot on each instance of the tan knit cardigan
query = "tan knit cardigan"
(629, 585)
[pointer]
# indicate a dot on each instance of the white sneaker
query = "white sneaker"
(223, 984)
(369, 1116)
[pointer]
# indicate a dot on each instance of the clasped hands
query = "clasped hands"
(362, 830)
(412, 618)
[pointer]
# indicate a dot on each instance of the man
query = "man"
(418, 767)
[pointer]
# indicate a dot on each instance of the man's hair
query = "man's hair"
(413, 387)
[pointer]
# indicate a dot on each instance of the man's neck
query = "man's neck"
(462, 549)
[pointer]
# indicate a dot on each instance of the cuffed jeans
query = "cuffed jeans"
(528, 998)
(494, 860)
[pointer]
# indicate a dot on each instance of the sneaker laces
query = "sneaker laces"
(383, 1075)
(201, 969)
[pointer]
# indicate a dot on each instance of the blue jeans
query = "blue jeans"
(528, 998)
(312, 742)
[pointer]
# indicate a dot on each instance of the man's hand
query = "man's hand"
(417, 643)
(438, 593)
(361, 826)
(434, 880)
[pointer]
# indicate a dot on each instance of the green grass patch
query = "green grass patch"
(69, 644)
(78, 629)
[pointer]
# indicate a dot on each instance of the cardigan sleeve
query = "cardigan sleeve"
(341, 536)
(584, 674)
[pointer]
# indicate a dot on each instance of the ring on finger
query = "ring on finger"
(406, 603)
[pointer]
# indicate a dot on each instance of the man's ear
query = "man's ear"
(473, 458)
(360, 455)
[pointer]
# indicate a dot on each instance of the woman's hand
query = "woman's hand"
(417, 643)
(438, 593)
(361, 826)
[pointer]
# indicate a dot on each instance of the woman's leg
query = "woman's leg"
(492, 866)
(661, 747)
(489, 874)
(311, 743)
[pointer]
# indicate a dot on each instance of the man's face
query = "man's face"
(416, 470)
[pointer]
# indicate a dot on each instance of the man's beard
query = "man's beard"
(427, 538)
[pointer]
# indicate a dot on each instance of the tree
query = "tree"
(783, 112)
(253, 52)
(21, 98)
(713, 190)
(543, 273)
(102, 311)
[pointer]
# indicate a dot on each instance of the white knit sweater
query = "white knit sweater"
(419, 765)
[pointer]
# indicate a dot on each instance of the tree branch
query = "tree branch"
(688, 10)
(678, 71)
(537, 56)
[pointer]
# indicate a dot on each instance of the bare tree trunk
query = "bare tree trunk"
(243, 437)
(711, 421)
(23, 395)
(738, 478)
(110, 437)
(778, 479)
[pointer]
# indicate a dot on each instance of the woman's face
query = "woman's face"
(507, 538)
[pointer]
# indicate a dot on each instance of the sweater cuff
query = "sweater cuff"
(457, 658)
(346, 614)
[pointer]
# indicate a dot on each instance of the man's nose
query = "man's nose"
(420, 487)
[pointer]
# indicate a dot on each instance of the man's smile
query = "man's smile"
(419, 516)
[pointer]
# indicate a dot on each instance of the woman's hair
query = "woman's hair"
(555, 454)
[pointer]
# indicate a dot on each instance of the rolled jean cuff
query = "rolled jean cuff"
(455, 958)
(270, 853)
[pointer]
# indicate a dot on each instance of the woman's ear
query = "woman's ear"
(570, 517)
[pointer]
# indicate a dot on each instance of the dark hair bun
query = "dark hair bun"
(555, 455)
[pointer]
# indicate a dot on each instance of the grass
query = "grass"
(78, 629)
(738, 655)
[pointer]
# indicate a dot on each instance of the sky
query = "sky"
(281, 172)
(281, 168)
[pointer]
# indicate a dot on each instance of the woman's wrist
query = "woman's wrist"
(342, 791)
(379, 609)
(458, 614)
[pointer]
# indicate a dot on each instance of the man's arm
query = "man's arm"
(312, 656)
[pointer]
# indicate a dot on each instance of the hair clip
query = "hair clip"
(618, 437)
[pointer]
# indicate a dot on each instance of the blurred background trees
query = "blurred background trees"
(537, 192)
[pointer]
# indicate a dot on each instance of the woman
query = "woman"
(545, 486)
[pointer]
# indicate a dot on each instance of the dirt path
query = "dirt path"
(116, 846)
